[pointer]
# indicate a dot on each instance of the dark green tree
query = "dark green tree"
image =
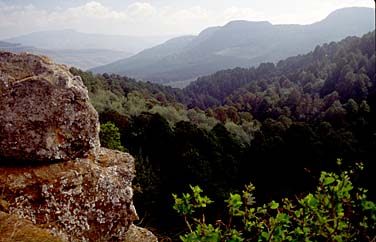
(110, 136)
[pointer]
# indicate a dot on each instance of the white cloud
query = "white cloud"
(17, 19)
(148, 17)
(141, 9)
(139, 18)
(92, 11)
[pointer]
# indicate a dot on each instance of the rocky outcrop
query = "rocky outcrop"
(66, 188)
(87, 199)
(45, 113)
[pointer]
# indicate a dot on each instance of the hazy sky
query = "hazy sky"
(156, 17)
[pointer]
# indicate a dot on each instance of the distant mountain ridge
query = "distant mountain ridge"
(81, 58)
(71, 39)
(238, 43)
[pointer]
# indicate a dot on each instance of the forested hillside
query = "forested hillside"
(238, 43)
(275, 125)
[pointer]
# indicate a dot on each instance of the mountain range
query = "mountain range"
(82, 50)
(238, 43)
(71, 39)
(81, 58)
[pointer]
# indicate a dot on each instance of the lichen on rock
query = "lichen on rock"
(66, 188)
(45, 113)
(86, 199)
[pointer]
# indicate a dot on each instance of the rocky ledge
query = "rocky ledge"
(87, 199)
(56, 183)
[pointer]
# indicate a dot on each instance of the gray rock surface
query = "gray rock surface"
(45, 114)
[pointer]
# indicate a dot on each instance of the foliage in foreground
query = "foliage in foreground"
(336, 211)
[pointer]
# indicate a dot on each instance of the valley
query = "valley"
(193, 122)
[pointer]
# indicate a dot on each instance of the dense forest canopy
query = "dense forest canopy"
(277, 125)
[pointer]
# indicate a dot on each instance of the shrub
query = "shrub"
(110, 136)
(336, 211)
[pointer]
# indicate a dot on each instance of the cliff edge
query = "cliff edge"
(56, 182)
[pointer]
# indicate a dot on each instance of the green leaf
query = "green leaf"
(265, 235)
(328, 180)
(274, 205)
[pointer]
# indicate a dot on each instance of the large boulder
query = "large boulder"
(45, 114)
(45, 117)
(88, 199)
